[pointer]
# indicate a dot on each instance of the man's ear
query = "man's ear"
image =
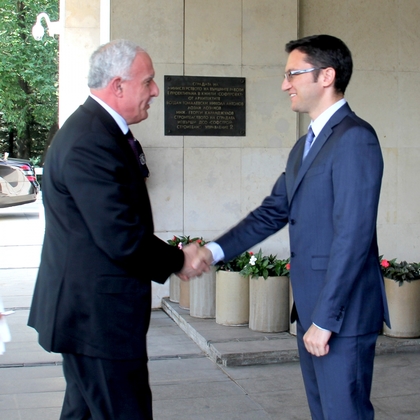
(328, 77)
(116, 86)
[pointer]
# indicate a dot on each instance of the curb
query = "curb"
(258, 348)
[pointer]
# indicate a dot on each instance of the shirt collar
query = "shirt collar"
(117, 117)
(318, 124)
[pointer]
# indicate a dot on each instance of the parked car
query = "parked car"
(18, 183)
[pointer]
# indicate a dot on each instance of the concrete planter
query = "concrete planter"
(292, 326)
(184, 294)
(269, 304)
(232, 299)
(174, 288)
(203, 295)
(404, 309)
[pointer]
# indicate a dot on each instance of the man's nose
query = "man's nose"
(155, 89)
(286, 85)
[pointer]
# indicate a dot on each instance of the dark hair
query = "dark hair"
(326, 51)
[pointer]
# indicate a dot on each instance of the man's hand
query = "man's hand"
(316, 341)
(204, 254)
(195, 262)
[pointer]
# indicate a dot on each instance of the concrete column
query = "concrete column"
(85, 25)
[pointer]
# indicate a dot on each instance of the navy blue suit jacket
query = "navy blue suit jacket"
(93, 291)
(330, 202)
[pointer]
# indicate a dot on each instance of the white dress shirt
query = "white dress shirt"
(117, 117)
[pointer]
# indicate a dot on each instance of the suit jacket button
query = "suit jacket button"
(292, 221)
(292, 254)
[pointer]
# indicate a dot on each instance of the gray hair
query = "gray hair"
(110, 60)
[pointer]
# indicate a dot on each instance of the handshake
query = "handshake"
(198, 260)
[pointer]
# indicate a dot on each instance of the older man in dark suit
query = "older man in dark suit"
(92, 297)
(329, 196)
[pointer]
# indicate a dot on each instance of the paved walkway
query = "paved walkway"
(189, 381)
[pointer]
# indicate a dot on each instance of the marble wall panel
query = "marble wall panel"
(384, 40)
(374, 96)
(408, 36)
(400, 241)
(212, 188)
(165, 186)
(260, 170)
(408, 109)
(388, 203)
(82, 14)
(369, 28)
(213, 70)
(79, 37)
(267, 26)
(73, 73)
(398, 225)
(407, 192)
(156, 25)
(213, 32)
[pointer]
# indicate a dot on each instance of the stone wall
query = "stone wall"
(202, 185)
(384, 37)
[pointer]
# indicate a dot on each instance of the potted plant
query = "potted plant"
(268, 292)
(402, 290)
(175, 283)
(232, 292)
(203, 291)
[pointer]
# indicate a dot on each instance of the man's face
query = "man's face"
(305, 93)
(139, 90)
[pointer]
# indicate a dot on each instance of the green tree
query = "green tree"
(28, 78)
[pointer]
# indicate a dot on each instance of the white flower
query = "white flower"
(180, 245)
(252, 260)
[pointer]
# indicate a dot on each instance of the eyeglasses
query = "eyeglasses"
(289, 75)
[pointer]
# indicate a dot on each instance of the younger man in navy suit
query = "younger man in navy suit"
(329, 196)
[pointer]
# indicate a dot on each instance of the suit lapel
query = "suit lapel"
(114, 130)
(300, 146)
(107, 120)
(300, 168)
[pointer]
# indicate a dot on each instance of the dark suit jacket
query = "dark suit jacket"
(330, 202)
(93, 291)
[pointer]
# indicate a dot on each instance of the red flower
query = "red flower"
(251, 253)
(198, 241)
(288, 266)
(385, 263)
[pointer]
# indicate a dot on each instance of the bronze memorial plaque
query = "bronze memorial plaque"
(204, 106)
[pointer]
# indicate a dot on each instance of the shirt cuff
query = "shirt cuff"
(323, 329)
(216, 250)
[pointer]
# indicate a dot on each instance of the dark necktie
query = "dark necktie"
(138, 151)
(308, 143)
